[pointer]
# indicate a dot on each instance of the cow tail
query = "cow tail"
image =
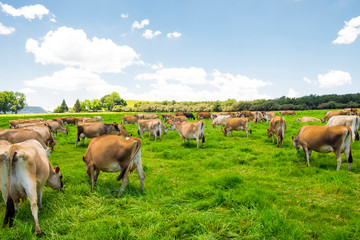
(126, 169)
(79, 130)
(202, 130)
(350, 160)
(158, 129)
(356, 129)
(250, 127)
(10, 207)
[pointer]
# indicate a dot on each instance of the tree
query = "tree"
(6, 100)
(64, 106)
(110, 100)
(77, 107)
(18, 102)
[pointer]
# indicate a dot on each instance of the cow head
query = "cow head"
(296, 143)
(172, 127)
(225, 131)
(55, 179)
(269, 132)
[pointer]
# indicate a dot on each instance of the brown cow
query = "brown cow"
(129, 119)
(268, 116)
(287, 112)
(45, 134)
(57, 127)
(21, 135)
(190, 131)
(325, 139)
(153, 126)
(151, 116)
(69, 120)
(24, 171)
(112, 154)
(91, 130)
(330, 114)
(349, 121)
(307, 119)
(203, 115)
(277, 127)
(236, 124)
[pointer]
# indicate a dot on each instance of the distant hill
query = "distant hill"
(33, 109)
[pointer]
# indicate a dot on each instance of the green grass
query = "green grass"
(236, 187)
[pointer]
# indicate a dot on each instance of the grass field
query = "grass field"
(236, 187)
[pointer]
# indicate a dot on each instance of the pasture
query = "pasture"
(236, 187)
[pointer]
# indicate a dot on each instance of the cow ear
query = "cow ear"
(57, 169)
(292, 137)
(84, 158)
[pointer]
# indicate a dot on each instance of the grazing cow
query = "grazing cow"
(220, 120)
(165, 117)
(245, 113)
(151, 116)
(113, 153)
(236, 124)
(203, 115)
(21, 135)
(58, 119)
(69, 120)
(190, 131)
(57, 127)
(277, 127)
(177, 119)
(287, 112)
(45, 134)
(25, 169)
(179, 114)
(349, 121)
(153, 126)
(89, 120)
(129, 119)
(91, 130)
(189, 116)
(257, 117)
(139, 116)
(330, 114)
(307, 119)
(325, 139)
(99, 118)
(268, 116)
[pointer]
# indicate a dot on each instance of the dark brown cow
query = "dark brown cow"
(91, 130)
(112, 154)
(203, 115)
(325, 139)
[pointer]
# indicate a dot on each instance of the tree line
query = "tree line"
(12, 101)
(113, 102)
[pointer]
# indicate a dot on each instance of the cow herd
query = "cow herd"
(26, 146)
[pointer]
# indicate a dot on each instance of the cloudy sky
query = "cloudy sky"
(189, 50)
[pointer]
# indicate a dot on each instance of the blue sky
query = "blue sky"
(188, 50)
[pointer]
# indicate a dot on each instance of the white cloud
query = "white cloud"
(349, 33)
(140, 25)
(27, 91)
(149, 34)
(71, 47)
(124, 15)
(292, 93)
(6, 30)
(307, 80)
(137, 86)
(29, 12)
(334, 79)
(190, 75)
(219, 87)
(174, 35)
(157, 66)
(71, 79)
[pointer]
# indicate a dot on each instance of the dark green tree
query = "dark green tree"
(6, 100)
(18, 102)
(64, 106)
(77, 107)
(111, 100)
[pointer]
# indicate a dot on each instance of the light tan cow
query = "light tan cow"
(165, 117)
(268, 116)
(24, 171)
(190, 131)
(99, 118)
(277, 127)
(151, 116)
(307, 119)
(258, 117)
(21, 135)
(91, 130)
(113, 153)
(57, 127)
(45, 134)
(349, 121)
(330, 114)
(236, 124)
(220, 120)
(325, 139)
(129, 119)
(153, 126)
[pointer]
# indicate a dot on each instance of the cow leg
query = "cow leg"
(231, 132)
(34, 208)
(197, 140)
(273, 138)
(150, 135)
(307, 155)
(247, 135)
(339, 159)
(40, 197)
(141, 174)
(277, 140)
(92, 178)
(96, 175)
(83, 141)
(348, 156)
(124, 182)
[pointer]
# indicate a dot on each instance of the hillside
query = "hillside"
(33, 109)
